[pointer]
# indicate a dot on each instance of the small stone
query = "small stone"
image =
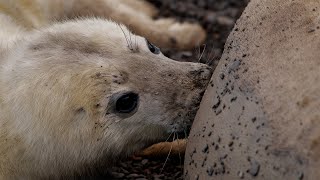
(186, 54)
(135, 176)
(158, 176)
(146, 171)
(177, 174)
(144, 162)
(124, 165)
(136, 158)
(124, 171)
(225, 20)
(211, 17)
(117, 175)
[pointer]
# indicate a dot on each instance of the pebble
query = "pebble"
(135, 176)
(117, 175)
(124, 165)
(124, 171)
(211, 17)
(225, 20)
(186, 54)
(158, 177)
(144, 162)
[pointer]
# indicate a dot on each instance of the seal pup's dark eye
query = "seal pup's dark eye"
(127, 103)
(154, 49)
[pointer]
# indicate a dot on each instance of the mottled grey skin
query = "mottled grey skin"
(260, 116)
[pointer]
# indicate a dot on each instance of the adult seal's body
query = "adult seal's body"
(77, 95)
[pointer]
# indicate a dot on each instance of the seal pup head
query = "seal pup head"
(88, 91)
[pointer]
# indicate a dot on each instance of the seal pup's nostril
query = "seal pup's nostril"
(202, 72)
(201, 93)
(206, 72)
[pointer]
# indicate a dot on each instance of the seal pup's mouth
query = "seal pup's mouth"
(183, 121)
(176, 140)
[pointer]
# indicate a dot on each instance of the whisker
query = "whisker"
(130, 40)
(136, 42)
(167, 156)
(169, 136)
(210, 62)
(211, 54)
(179, 154)
(125, 36)
(204, 49)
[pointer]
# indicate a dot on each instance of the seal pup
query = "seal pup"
(79, 94)
(138, 15)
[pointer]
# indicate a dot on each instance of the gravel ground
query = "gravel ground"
(218, 18)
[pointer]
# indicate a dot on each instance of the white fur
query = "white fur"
(55, 88)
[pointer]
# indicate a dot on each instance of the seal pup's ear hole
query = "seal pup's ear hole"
(154, 49)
